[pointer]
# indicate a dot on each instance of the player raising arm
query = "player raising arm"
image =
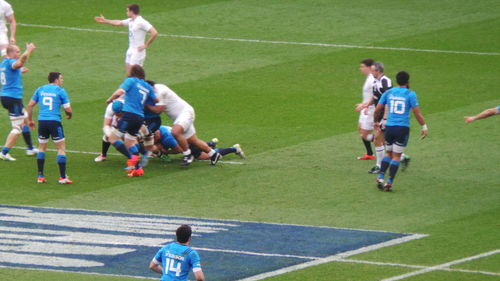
(51, 98)
(175, 260)
(138, 27)
(485, 114)
(399, 101)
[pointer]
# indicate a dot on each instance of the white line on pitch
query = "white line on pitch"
(256, 253)
(344, 46)
(441, 266)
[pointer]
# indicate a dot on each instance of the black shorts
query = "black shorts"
(13, 105)
(49, 128)
(195, 151)
(397, 135)
(153, 124)
(130, 123)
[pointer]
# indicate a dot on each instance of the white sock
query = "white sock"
(402, 157)
(187, 152)
(380, 150)
(211, 153)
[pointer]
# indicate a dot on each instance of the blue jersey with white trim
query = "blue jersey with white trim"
(399, 102)
(137, 91)
(12, 83)
(50, 97)
(177, 260)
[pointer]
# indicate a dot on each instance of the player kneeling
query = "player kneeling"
(51, 97)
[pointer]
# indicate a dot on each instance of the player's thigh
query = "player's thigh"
(14, 106)
(401, 139)
(44, 132)
(185, 119)
(56, 132)
(137, 57)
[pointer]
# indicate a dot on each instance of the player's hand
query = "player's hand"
(376, 126)
(424, 134)
(13, 41)
(30, 47)
(100, 19)
(142, 48)
(469, 119)
(24, 69)
(108, 101)
(360, 107)
(31, 124)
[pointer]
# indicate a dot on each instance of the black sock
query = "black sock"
(226, 150)
(40, 160)
(27, 137)
(61, 161)
(105, 148)
(368, 146)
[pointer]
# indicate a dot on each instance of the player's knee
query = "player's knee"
(130, 137)
(17, 125)
(117, 133)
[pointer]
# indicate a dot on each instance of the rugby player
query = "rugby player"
(138, 28)
(485, 114)
(11, 68)
(183, 129)
(175, 260)
(111, 115)
(6, 15)
(365, 123)
(135, 91)
(51, 98)
(399, 102)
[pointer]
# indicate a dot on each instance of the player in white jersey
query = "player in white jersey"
(365, 123)
(6, 15)
(138, 28)
(111, 116)
(183, 116)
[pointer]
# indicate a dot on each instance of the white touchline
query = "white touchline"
(345, 46)
(442, 266)
(256, 253)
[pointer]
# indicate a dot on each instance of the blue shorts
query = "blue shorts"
(49, 128)
(130, 123)
(396, 135)
(153, 124)
(13, 105)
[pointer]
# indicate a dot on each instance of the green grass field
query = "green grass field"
(291, 108)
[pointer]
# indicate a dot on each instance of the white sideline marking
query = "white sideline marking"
(345, 46)
(256, 253)
(442, 266)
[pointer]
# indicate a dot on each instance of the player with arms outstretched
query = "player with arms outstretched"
(485, 114)
(138, 27)
(6, 15)
(51, 98)
(175, 260)
(399, 101)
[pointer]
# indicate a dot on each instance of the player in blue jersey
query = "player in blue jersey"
(51, 98)
(135, 91)
(175, 260)
(11, 68)
(485, 114)
(399, 101)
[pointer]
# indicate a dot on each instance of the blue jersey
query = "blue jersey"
(167, 140)
(137, 91)
(498, 108)
(177, 260)
(399, 101)
(148, 113)
(51, 97)
(12, 84)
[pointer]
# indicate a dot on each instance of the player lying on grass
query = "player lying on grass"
(11, 68)
(175, 260)
(183, 116)
(165, 143)
(399, 101)
(135, 91)
(51, 98)
(485, 114)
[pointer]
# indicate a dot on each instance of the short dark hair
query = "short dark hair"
(403, 78)
(134, 8)
(183, 233)
(137, 71)
(53, 76)
(150, 82)
(368, 62)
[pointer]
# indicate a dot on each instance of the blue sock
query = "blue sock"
(393, 169)
(120, 146)
(141, 149)
(133, 150)
(61, 161)
(27, 137)
(5, 150)
(40, 160)
(225, 151)
(383, 167)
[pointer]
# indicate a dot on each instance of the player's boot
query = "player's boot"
(388, 187)
(239, 151)
(213, 143)
(40, 179)
(405, 162)
(136, 173)
(7, 157)
(31, 152)
(131, 163)
(374, 170)
(380, 184)
(65, 180)
(366, 157)
(215, 158)
(100, 158)
(187, 160)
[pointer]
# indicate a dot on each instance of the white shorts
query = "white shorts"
(186, 121)
(133, 56)
(366, 118)
(4, 40)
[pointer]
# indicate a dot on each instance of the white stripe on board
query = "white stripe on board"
(441, 266)
(343, 46)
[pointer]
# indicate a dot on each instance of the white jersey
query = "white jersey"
(110, 114)
(5, 11)
(368, 88)
(173, 103)
(137, 30)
